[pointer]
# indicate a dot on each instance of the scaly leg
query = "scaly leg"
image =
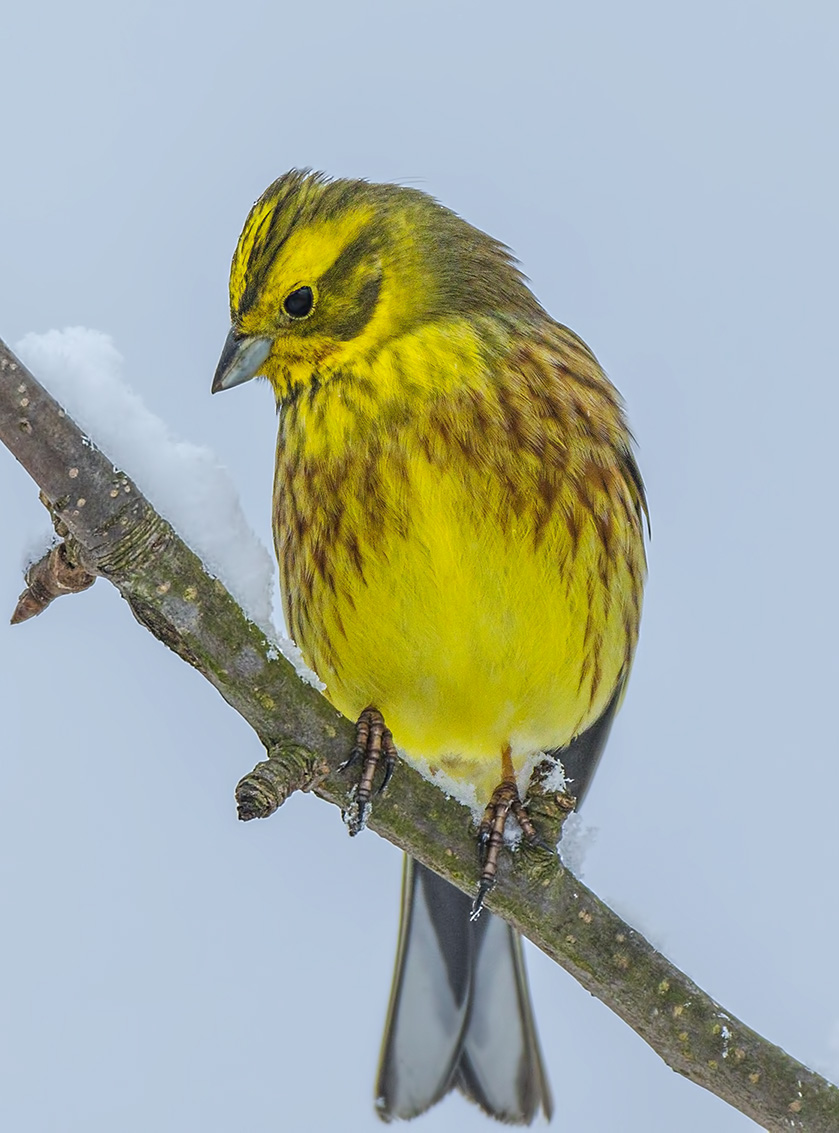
(505, 798)
(373, 742)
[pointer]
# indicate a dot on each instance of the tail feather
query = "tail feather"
(501, 1065)
(460, 1013)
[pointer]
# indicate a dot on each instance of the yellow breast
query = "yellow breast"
(471, 565)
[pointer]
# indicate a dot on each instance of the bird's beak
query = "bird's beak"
(241, 358)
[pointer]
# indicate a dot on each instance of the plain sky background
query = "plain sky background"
(668, 176)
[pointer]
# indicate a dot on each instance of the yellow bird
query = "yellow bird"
(458, 520)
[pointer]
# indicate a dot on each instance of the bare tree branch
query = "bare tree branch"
(112, 531)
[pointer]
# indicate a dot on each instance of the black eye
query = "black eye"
(299, 303)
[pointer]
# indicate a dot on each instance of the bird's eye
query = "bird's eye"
(299, 303)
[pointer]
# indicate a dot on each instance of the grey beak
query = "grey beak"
(241, 358)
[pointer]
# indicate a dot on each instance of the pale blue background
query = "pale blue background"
(667, 174)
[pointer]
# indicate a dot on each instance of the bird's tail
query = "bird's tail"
(460, 1013)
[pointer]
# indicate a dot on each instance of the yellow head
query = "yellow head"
(326, 272)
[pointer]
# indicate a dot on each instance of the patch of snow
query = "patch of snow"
(554, 780)
(185, 482)
(452, 788)
(577, 838)
(35, 546)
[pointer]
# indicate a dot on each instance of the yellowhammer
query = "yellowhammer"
(458, 519)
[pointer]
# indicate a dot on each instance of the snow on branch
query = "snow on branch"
(110, 530)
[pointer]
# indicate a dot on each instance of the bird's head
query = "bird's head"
(326, 272)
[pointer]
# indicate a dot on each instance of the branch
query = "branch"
(111, 531)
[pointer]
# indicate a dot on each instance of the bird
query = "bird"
(459, 522)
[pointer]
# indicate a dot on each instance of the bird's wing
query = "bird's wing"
(580, 758)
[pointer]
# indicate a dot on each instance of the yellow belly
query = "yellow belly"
(465, 625)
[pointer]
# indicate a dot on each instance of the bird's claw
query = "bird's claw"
(373, 744)
(505, 799)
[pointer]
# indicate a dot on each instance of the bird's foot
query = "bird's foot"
(505, 799)
(373, 745)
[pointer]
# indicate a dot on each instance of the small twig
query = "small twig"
(287, 769)
(49, 578)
